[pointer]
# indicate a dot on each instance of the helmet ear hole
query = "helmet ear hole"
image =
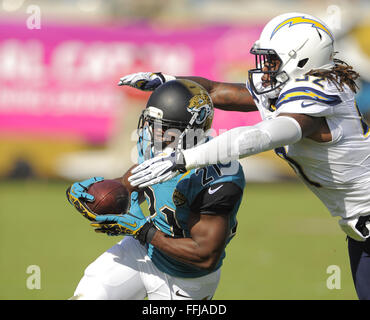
(302, 63)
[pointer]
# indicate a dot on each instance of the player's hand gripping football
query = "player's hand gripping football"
(146, 81)
(128, 224)
(158, 169)
(77, 195)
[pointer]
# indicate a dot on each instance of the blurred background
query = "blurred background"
(63, 118)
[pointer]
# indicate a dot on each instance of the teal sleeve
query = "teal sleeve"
(135, 205)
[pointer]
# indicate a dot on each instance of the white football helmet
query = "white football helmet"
(299, 41)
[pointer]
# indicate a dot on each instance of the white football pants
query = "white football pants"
(125, 272)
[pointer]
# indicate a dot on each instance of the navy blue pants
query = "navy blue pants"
(359, 255)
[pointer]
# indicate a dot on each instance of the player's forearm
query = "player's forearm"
(123, 180)
(244, 141)
(227, 96)
(186, 250)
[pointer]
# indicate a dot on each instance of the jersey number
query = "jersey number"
(167, 212)
(149, 193)
(205, 177)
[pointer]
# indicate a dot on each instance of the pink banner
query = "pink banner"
(62, 79)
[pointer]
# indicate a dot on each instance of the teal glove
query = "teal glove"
(76, 195)
(78, 188)
(139, 227)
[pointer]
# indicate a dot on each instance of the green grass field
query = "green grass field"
(285, 242)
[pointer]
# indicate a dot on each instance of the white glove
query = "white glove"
(357, 228)
(158, 169)
(146, 81)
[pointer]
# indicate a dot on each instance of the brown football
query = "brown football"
(111, 197)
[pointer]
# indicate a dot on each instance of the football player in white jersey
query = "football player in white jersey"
(306, 99)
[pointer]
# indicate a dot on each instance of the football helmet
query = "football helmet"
(178, 113)
(289, 46)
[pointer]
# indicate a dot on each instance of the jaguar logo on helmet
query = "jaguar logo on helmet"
(201, 104)
(298, 20)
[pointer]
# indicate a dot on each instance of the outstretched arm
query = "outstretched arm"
(236, 143)
(245, 141)
(227, 96)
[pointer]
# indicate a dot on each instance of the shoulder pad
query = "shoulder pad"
(307, 88)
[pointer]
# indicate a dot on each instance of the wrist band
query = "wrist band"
(146, 233)
(150, 234)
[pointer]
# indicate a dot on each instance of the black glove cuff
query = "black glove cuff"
(361, 225)
(146, 233)
(160, 75)
(180, 162)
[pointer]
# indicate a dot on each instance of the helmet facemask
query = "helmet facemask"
(157, 134)
(268, 66)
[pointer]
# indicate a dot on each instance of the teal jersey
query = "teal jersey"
(171, 202)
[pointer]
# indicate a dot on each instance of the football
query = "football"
(111, 197)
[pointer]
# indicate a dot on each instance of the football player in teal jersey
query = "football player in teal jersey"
(177, 251)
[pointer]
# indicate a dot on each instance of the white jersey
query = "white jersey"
(338, 172)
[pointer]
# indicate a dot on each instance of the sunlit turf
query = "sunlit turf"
(285, 242)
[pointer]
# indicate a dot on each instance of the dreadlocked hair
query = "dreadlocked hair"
(341, 74)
